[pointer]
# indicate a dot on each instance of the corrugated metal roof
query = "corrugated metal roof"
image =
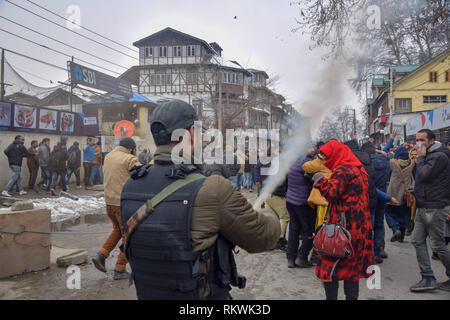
(377, 81)
(405, 68)
(115, 98)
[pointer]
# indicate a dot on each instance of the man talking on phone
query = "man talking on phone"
(432, 192)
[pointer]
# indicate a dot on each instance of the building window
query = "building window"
(403, 105)
(148, 52)
(191, 78)
(161, 79)
(163, 51)
(231, 77)
(447, 76)
(433, 76)
(190, 51)
(177, 51)
(434, 99)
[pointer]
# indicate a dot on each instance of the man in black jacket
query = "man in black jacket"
(15, 153)
(58, 165)
(74, 163)
(432, 192)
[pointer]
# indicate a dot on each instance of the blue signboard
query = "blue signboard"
(98, 80)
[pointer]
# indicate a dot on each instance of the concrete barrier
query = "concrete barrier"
(28, 251)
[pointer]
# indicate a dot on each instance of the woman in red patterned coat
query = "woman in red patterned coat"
(346, 191)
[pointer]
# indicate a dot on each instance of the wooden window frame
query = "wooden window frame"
(432, 76)
(163, 52)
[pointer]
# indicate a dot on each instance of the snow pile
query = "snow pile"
(64, 208)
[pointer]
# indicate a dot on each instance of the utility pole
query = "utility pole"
(71, 87)
(391, 97)
(354, 122)
(220, 100)
(2, 76)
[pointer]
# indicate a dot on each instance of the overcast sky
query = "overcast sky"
(260, 37)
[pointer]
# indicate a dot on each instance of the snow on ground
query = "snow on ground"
(64, 208)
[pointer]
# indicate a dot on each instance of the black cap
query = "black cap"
(172, 115)
(127, 142)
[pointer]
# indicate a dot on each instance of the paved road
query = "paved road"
(267, 275)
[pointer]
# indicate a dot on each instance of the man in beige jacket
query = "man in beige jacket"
(116, 172)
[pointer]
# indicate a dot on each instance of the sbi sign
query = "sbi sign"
(84, 75)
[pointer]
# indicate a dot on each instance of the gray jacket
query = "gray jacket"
(44, 156)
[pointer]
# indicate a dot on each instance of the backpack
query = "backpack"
(71, 162)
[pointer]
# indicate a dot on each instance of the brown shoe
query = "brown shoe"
(88, 188)
(36, 189)
(53, 192)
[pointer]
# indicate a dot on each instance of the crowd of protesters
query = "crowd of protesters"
(405, 185)
(57, 165)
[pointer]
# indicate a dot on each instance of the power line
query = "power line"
(57, 51)
(68, 45)
(54, 13)
(35, 59)
(61, 26)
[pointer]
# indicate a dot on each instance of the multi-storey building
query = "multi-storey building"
(415, 88)
(175, 65)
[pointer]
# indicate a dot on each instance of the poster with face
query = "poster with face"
(47, 119)
(5, 114)
(67, 120)
(24, 117)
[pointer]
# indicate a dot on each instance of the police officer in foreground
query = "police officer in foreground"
(180, 227)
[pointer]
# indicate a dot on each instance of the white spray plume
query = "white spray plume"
(328, 92)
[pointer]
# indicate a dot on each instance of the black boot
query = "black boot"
(99, 262)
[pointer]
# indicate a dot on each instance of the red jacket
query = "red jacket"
(347, 191)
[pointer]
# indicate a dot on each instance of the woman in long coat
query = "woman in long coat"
(346, 191)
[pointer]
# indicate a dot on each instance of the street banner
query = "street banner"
(433, 119)
(98, 80)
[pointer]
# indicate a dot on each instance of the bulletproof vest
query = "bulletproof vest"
(159, 250)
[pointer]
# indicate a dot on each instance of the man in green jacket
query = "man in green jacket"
(220, 217)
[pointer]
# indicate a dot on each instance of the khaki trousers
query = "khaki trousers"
(115, 236)
(278, 205)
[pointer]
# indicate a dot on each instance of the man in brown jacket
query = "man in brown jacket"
(183, 248)
(117, 167)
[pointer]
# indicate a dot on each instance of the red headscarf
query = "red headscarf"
(339, 154)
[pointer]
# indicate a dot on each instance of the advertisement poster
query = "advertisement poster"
(67, 121)
(5, 114)
(47, 119)
(25, 117)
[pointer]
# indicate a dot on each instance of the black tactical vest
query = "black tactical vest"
(159, 251)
